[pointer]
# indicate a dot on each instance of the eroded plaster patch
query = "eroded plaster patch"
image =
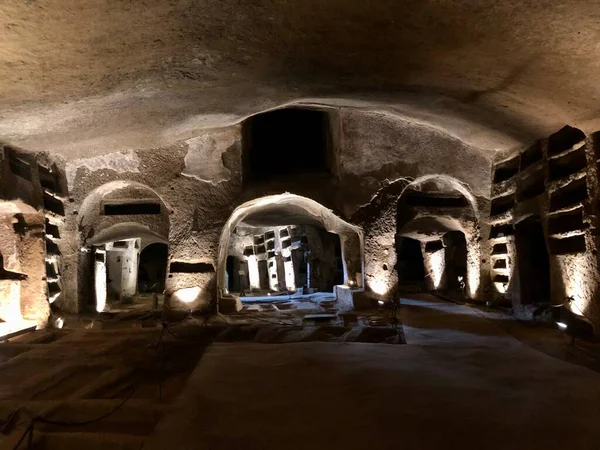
(204, 159)
(120, 162)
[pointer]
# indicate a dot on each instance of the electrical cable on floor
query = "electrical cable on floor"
(30, 429)
(160, 354)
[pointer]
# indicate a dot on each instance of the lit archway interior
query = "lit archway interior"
(124, 232)
(265, 248)
(440, 214)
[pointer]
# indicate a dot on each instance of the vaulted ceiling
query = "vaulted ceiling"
(88, 76)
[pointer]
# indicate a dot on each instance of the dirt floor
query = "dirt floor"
(125, 382)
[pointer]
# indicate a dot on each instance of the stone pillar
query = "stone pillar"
(434, 260)
(23, 294)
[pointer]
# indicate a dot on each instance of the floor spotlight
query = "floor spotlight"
(561, 325)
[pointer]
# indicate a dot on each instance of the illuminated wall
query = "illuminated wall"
(435, 264)
(23, 293)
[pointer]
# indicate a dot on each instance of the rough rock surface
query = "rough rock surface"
(148, 74)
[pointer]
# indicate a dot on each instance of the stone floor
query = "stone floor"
(467, 378)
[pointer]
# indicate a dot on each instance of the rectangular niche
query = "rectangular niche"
(569, 221)
(49, 178)
(19, 167)
(564, 139)
(259, 240)
(51, 270)
(499, 249)
(506, 169)
(563, 166)
(131, 208)
(260, 249)
(53, 288)
(286, 243)
(186, 267)
(51, 247)
(433, 246)
(572, 194)
(283, 233)
(53, 204)
(271, 245)
(287, 141)
(500, 264)
(501, 279)
(501, 231)
(573, 244)
(423, 199)
(249, 251)
(531, 186)
(52, 230)
(500, 205)
(270, 255)
(269, 235)
(532, 155)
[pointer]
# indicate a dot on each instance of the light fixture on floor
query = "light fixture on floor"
(561, 325)
(187, 295)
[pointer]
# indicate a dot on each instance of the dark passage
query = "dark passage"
(456, 260)
(153, 268)
(533, 263)
(285, 141)
(411, 269)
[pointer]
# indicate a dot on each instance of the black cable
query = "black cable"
(86, 422)
(28, 432)
(30, 429)
(160, 354)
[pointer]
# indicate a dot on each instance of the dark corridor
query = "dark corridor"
(532, 262)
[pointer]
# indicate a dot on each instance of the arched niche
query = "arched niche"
(294, 209)
(431, 207)
(120, 202)
(126, 213)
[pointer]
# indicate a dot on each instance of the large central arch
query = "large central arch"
(296, 209)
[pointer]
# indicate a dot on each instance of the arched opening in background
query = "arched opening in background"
(152, 268)
(456, 260)
(124, 231)
(410, 264)
(533, 263)
(287, 246)
(439, 214)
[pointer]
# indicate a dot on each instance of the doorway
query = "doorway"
(533, 263)
(410, 265)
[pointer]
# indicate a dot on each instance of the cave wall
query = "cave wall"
(375, 156)
(199, 182)
(556, 180)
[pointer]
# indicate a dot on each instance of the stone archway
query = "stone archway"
(380, 219)
(116, 221)
(295, 209)
(431, 209)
